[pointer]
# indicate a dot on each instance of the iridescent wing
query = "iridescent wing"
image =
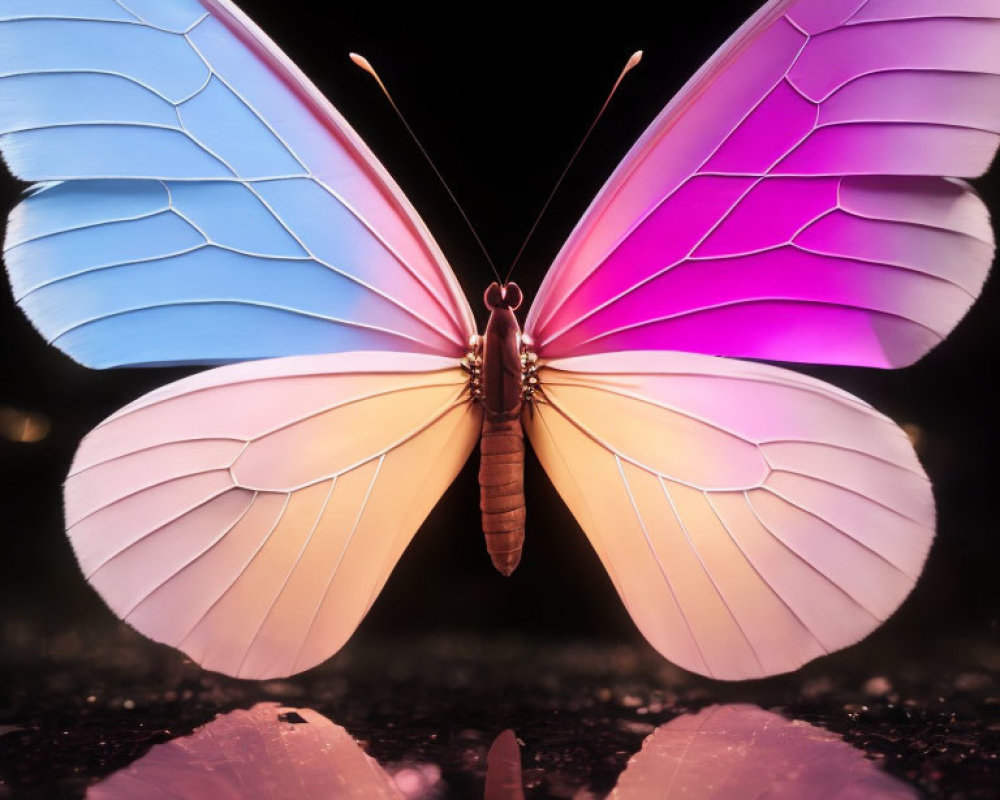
(751, 518)
(197, 199)
(249, 515)
(788, 204)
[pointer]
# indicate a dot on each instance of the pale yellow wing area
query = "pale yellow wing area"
(751, 518)
(250, 515)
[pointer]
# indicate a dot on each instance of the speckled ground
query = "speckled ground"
(90, 706)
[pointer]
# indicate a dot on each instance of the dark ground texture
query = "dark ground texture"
(96, 704)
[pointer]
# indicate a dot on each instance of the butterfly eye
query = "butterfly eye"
(493, 296)
(512, 296)
(509, 296)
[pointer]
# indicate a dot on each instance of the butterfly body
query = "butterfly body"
(501, 473)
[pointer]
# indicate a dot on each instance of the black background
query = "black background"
(500, 100)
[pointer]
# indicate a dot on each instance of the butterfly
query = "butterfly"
(196, 200)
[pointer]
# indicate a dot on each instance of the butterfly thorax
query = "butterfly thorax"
(502, 390)
(499, 381)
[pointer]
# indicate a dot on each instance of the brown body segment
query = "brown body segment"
(501, 467)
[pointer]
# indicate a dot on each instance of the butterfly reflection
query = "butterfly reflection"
(724, 752)
(264, 753)
(732, 752)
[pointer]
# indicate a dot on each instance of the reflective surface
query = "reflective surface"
(501, 718)
(728, 751)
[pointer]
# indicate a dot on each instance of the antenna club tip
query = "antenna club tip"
(361, 61)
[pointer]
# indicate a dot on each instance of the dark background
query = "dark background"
(500, 102)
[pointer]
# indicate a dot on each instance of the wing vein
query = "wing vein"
(111, 459)
(805, 388)
(659, 563)
(785, 380)
(197, 557)
(845, 449)
(708, 573)
(655, 404)
(214, 604)
(752, 302)
(86, 227)
(284, 585)
(458, 328)
(642, 219)
(136, 407)
(344, 273)
(340, 560)
(753, 565)
(841, 531)
(183, 513)
(842, 590)
(848, 489)
(350, 401)
(225, 301)
(604, 445)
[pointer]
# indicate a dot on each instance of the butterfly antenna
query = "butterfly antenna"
(365, 64)
(634, 59)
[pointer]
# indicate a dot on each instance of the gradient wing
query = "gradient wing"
(249, 515)
(197, 199)
(751, 518)
(788, 204)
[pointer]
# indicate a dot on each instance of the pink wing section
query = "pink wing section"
(249, 515)
(786, 204)
(255, 754)
(751, 518)
(736, 752)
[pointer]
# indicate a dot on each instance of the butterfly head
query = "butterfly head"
(506, 296)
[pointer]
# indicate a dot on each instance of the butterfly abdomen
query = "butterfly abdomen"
(501, 491)
(501, 468)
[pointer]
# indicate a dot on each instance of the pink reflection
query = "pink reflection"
(727, 752)
(503, 769)
(273, 753)
(735, 752)
(265, 753)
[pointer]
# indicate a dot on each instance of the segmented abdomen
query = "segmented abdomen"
(501, 491)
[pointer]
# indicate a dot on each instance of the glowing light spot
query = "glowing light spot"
(23, 426)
